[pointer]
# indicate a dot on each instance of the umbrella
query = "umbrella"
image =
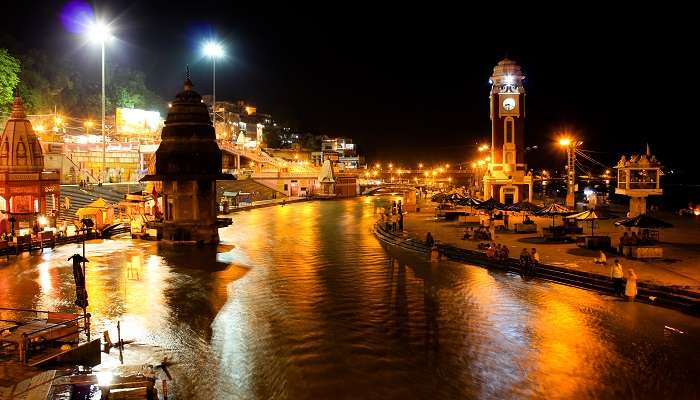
(643, 221)
(490, 205)
(588, 216)
(454, 197)
(438, 198)
(554, 210)
(524, 206)
(468, 201)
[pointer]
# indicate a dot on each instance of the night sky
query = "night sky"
(410, 83)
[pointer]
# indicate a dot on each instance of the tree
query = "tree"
(9, 77)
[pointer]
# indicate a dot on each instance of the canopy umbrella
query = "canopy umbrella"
(588, 216)
(524, 206)
(643, 221)
(454, 197)
(438, 198)
(554, 210)
(490, 205)
(468, 201)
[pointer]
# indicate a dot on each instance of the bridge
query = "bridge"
(389, 188)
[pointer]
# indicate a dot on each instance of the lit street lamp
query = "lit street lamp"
(213, 50)
(99, 32)
(570, 145)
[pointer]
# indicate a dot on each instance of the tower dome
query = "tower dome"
(188, 148)
(19, 147)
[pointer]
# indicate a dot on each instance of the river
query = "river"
(302, 301)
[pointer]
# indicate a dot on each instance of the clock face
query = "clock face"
(509, 104)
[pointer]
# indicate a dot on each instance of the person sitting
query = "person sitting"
(602, 259)
(524, 260)
(468, 233)
(504, 252)
(491, 251)
(527, 220)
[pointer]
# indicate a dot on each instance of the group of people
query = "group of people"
(479, 233)
(393, 217)
(497, 251)
(620, 287)
(529, 260)
(633, 239)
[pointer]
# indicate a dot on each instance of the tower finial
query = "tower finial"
(188, 80)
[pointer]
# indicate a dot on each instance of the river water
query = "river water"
(302, 301)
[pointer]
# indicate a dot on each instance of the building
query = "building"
(341, 151)
(239, 122)
(507, 179)
(188, 163)
(24, 183)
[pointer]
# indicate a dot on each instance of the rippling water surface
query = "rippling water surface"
(302, 301)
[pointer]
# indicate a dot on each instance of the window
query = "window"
(509, 126)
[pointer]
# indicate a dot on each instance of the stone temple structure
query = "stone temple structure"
(188, 163)
(24, 184)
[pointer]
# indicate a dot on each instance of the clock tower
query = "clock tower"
(507, 179)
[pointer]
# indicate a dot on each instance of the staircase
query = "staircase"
(111, 193)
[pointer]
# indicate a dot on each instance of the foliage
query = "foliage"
(9, 76)
(46, 82)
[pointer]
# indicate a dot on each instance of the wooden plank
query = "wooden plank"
(41, 386)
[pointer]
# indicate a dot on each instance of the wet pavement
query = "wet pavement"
(301, 301)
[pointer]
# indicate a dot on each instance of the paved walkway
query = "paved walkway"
(269, 203)
(679, 268)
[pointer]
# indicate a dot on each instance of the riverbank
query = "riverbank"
(678, 269)
(675, 277)
(269, 203)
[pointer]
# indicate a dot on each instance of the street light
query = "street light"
(570, 145)
(213, 50)
(99, 32)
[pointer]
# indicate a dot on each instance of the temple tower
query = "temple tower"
(507, 179)
(188, 163)
(24, 184)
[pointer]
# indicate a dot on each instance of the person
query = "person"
(617, 276)
(400, 207)
(400, 220)
(624, 241)
(429, 241)
(387, 221)
(394, 221)
(524, 261)
(631, 287)
(504, 252)
(634, 240)
(602, 259)
(534, 259)
(491, 251)
(505, 220)
(468, 232)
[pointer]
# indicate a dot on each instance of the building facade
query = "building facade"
(507, 178)
(24, 183)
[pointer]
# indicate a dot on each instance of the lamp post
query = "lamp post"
(570, 145)
(100, 32)
(213, 50)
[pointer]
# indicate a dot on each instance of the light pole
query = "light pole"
(100, 32)
(213, 50)
(570, 145)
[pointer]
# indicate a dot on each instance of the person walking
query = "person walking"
(429, 241)
(631, 287)
(617, 276)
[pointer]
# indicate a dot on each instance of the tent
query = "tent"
(490, 205)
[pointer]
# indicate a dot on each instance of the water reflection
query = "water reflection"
(302, 301)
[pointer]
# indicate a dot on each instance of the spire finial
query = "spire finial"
(188, 80)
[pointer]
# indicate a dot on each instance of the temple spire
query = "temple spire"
(188, 81)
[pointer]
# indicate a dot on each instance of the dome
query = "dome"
(19, 147)
(507, 67)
